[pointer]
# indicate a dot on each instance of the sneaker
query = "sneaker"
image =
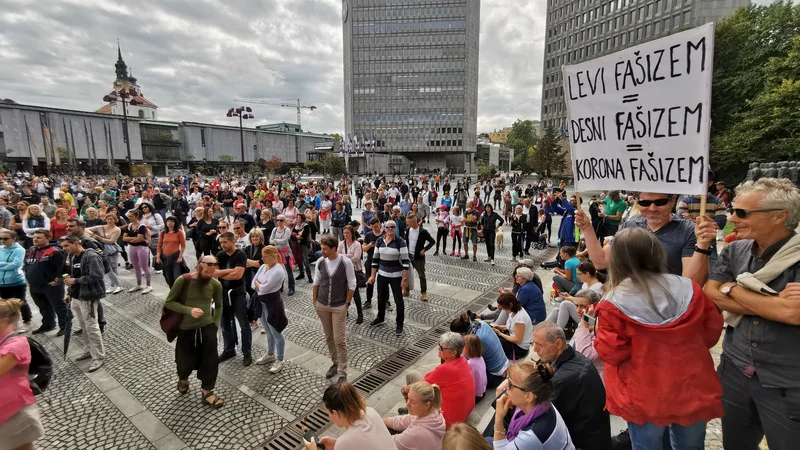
(399, 330)
(84, 357)
(248, 359)
(332, 371)
(299, 277)
(487, 260)
(117, 290)
(61, 332)
(465, 257)
(158, 272)
(436, 253)
(269, 357)
(474, 258)
(527, 253)
(147, 290)
(342, 379)
(453, 253)
(376, 322)
(135, 289)
(491, 307)
(277, 366)
(96, 365)
(359, 320)
(23, 328)
(78, 331)
(459, 255)
(424, 296)
(367, 305)
(492, 262)
(226, 355)
(109, 290)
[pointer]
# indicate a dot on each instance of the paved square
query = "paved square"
(133, 401)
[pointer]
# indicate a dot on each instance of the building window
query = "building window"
(202, 137)
(141, 114)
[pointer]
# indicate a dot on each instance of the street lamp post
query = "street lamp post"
(243, 112)
(121, 94)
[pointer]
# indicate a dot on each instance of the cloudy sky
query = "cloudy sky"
(193, 58)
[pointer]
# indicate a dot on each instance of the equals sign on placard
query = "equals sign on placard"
(634, 147)
(630, 98)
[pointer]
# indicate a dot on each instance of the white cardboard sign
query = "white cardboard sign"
(639, 119)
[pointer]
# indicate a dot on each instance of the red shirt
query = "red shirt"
(661, 374)
(454, 378)
(57, 229)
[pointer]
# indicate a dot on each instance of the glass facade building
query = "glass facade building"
(581, 30)
(411, 78)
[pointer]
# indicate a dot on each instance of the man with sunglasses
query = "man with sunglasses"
(244, 217)
(390, 264)
(686, 243)
(756, 282)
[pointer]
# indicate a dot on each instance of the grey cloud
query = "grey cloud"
(194, 58)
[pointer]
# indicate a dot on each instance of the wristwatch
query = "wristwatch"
(727, 289)
(700, 250)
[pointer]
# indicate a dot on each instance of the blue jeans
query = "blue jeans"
(234, 309)
(274, 337)
(654, 437)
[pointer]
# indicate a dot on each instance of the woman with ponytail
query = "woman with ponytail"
(534, 423)
(19, 416)
(423, 427)
(363, 428)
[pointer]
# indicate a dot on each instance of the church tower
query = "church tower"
(137, 104)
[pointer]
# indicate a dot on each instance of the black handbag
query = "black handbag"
(361, 278)
(171, 320)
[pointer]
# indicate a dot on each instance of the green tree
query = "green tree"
(333, 164)
(754, 107)
(485, 171)
(189, 156)
(225, 158)
(316, 166)
(273, 165)
(548, 158)
(522, 138)
(336, 137)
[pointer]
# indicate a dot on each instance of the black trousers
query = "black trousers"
(513, 351)
(196, 349)
(441, 236)
(489, 238)
(419, 266)
(531, 236)
(50, 302)
(7, 292)
(383, 296)
(516, 244)
(753, 411)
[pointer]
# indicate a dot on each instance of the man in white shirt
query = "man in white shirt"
(334, 286)
(242, 239)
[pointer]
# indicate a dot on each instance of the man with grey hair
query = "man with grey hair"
(568, 308)
(580, 396)
(756, 283)
(454, 378)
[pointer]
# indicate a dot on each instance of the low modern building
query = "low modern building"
(46, 140)
(490, 153)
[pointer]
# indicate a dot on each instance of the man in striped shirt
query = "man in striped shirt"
(390, 264)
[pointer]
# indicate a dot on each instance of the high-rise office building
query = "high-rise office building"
(581, 30)
(411, 79)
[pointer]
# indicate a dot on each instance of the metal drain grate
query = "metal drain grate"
(290, 438)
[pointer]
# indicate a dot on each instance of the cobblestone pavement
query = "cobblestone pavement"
(132, 402)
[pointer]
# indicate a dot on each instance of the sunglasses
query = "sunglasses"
(222, 227)
(280, 220)
(743, 213)
(237, 228)
(659, 202)
(6, 239)
(390, 227)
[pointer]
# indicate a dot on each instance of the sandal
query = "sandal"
(183, 386)
(216, 403)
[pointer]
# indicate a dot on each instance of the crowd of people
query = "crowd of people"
(630, 267)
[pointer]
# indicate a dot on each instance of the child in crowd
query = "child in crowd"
(456, 223)
(473, 351)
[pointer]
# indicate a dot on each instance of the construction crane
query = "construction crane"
(293, 103)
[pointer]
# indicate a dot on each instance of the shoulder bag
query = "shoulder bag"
(171, 320)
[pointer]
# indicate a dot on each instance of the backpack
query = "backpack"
(97, 248)
(40, 370)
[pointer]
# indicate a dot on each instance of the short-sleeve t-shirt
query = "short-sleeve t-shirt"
(614, 207)
(521, 317)
(572, 265)
(370, 238)
(237, 259)
(15, 391)
(141, 230)
(676, 238)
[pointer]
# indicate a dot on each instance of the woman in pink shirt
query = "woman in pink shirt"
(19, 416)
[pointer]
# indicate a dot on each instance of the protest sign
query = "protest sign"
(639, 119)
